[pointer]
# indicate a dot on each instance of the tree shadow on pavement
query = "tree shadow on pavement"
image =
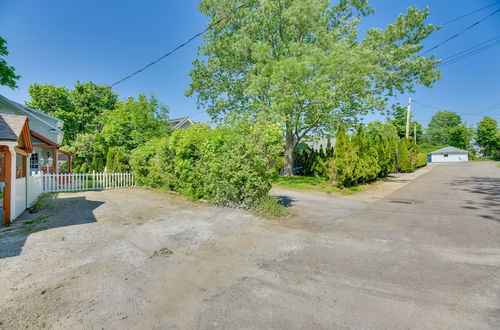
(485, 193)
(286, 201)
(64, 212)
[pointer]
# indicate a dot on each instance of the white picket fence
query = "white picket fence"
(86, 181)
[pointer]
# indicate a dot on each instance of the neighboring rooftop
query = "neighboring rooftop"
(11, 126)
(180, 122)
(448, 150)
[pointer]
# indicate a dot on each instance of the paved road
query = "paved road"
(426, 256)
(431, 264)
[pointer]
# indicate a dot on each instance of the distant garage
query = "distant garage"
(449, 155)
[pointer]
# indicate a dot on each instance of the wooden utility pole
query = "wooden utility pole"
(408, 116)
(415, 132)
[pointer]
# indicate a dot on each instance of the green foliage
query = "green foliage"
(134, 122)
(342, 167)
(421, 160)
(303, 65)
(398, 119)
(406, 163)
(438, 130)
(81, 109)
(8, 75)
(117, 160)
(83, 168)
(488, 136)
(460, 137)
(313, 162)
(226, 166)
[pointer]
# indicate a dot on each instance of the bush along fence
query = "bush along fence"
(85, 181)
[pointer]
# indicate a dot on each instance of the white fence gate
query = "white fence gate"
(86, 181)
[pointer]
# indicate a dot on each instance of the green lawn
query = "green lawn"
(313, 183)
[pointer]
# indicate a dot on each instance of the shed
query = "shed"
(15, 147)
(449, 155)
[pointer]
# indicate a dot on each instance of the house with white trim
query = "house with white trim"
(46, 136)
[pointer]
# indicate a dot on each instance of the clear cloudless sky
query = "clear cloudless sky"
(60, 42)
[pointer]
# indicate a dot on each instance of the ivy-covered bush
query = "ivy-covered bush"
(226, 166)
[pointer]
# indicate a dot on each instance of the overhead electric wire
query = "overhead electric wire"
(470, 13)
(463, 31)
(486, 109)
(181, 45)
(464, 54)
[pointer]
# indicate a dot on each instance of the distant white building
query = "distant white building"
(449, 155)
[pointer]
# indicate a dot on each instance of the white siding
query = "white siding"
(20, 197)
(452, 157)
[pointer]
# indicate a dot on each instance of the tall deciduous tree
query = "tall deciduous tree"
(8, 76)
(302, 64)
(81, 108)
(460, 137)
(438, 130)
(488, 136)
(134, 122)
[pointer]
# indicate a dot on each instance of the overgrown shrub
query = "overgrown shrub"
(405, 162)
(226, 166)
(117, 160)
(342, 166)
(421, 160)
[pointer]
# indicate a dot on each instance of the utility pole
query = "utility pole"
(408, 116)
(415, 132)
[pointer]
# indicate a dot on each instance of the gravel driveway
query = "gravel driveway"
(136, 259)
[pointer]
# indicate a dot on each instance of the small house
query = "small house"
(15, 148)
(46, 135)
(449, 155)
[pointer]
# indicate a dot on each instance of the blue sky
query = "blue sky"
(59, 42)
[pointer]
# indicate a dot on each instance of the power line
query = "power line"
(479, 48)
(463, 31)
(181, 45)
(486, 109)
(470, 13)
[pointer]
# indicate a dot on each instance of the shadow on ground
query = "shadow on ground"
(486, 192)
(286, 201)
(60, 214)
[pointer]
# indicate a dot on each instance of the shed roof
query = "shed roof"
(448, 150)
(11, 126)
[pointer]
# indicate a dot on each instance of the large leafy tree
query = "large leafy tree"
(81, 108)
(438, 130)
(460, 137)
(488, 136)
(302, 64)
(8, 76)
(134, 122)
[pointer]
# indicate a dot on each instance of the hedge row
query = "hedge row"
(226, 166)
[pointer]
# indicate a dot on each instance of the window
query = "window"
(445, 155)
(20, 166)
(34, 164)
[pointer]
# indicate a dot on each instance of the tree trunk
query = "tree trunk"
(289, 147)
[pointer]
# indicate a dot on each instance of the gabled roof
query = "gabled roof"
(178, 122)
(15, 128)
(35, 114)
(448, 150)
(11, 126)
